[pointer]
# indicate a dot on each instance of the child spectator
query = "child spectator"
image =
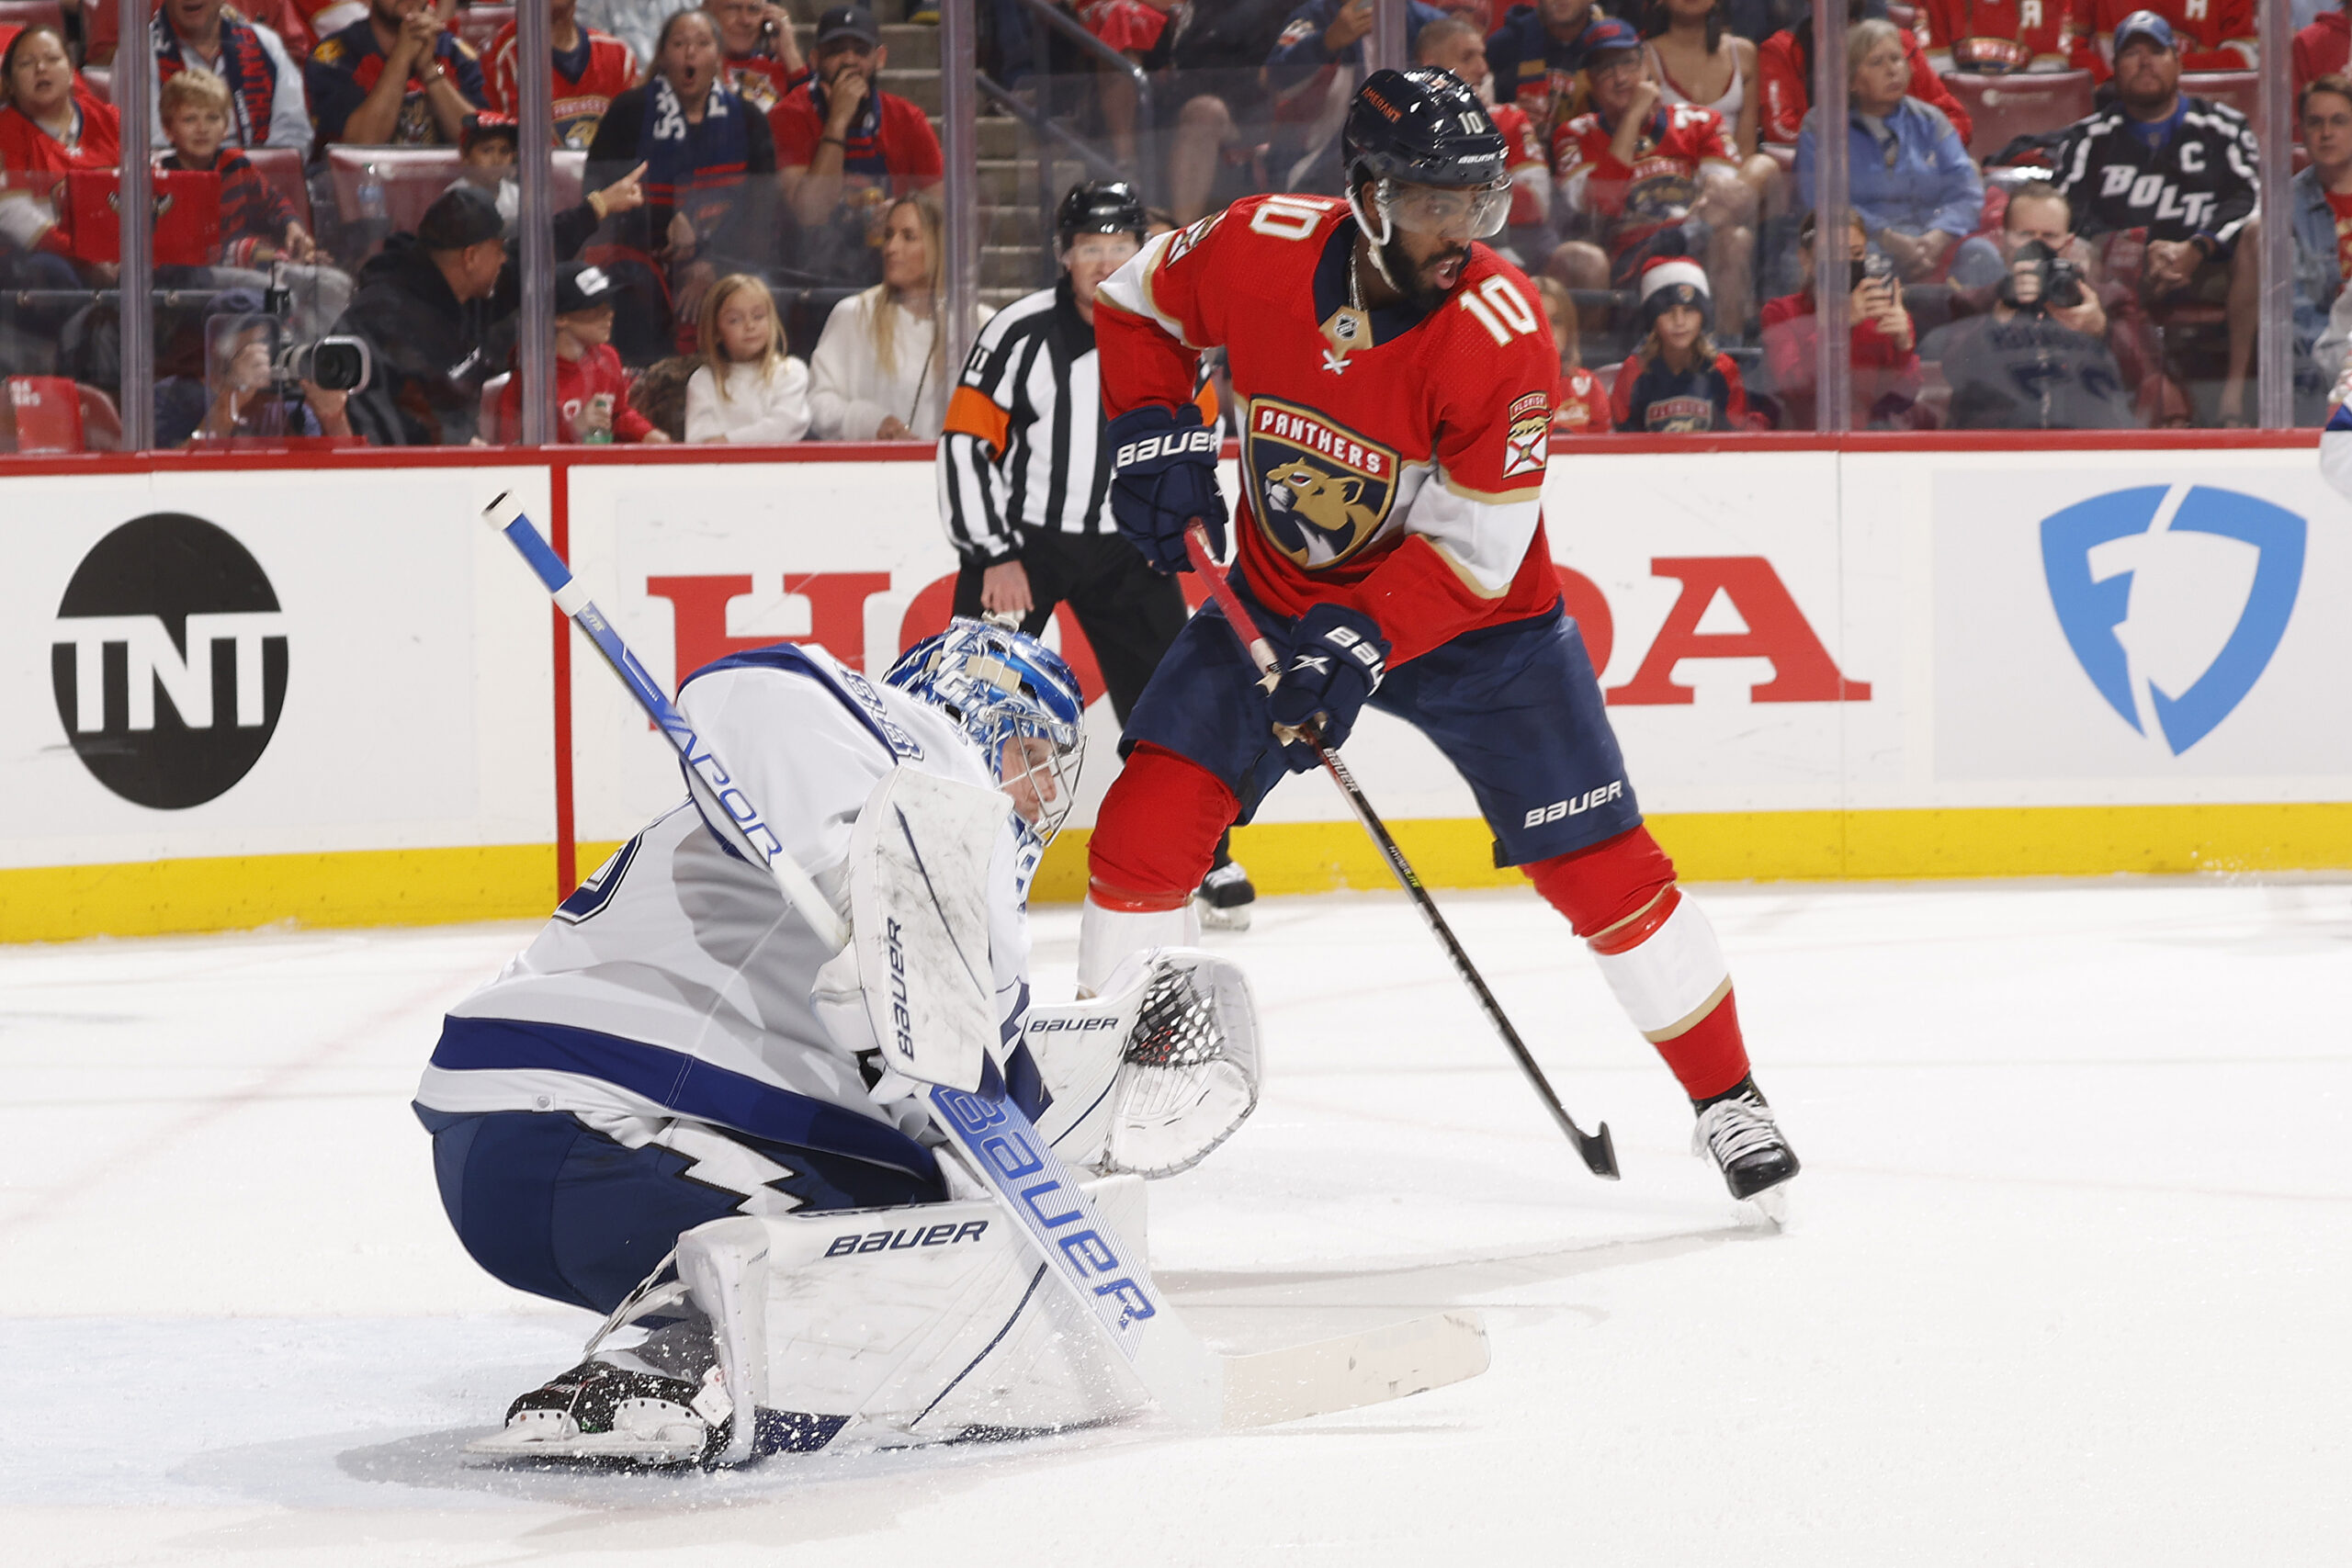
(591, 388)
(257, 224)
(488, 149)
(880, 371)
(1883, 355)
(1581, 405)
(1676, 383)
(588, 71)
(749, 390)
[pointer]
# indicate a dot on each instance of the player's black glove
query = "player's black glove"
(1163, 476)
(1339, 658)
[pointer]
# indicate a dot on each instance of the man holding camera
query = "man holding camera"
(2038, 358)
(2179, 172)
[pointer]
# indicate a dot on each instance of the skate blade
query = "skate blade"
(601, 1448)
(1772, 1204)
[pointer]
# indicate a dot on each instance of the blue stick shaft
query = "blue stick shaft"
(755, 834)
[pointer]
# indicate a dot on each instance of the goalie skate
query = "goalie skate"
(1741, 1135)
(598, 1411)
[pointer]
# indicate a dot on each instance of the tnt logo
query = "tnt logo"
(169, 661)
(2173, 598)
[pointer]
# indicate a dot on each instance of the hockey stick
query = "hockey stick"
(1004, 1150)
(1599, 1153)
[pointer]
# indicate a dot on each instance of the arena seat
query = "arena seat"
(2242, 90)
(32, 14)
(99, 79)
(476, 25)
(51, 415)
(412, 177)
(2005, 107)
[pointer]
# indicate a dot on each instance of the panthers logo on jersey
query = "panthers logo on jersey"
(1323, 494)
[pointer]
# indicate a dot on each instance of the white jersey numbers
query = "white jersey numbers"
(1286, 218)
(1500, 308)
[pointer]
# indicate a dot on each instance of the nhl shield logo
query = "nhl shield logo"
(1323, 495)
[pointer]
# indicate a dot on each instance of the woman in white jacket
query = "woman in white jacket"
(749, 390)
(880, 370)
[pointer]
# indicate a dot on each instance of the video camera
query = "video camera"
(330, 364)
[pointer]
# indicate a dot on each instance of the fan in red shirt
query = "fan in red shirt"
(1994, 38)
(588, 72)
(844, 147)
(763, 51)
(1396, 380)
(2323, 49)
(1647, 173)
(1885, 363)
(590, 387)
(1784, 66)
(2215, 35)
(49, 127)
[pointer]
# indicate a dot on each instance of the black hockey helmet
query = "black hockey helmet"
(1099, 207)
(1422, 127)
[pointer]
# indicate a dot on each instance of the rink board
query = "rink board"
(1869, 658)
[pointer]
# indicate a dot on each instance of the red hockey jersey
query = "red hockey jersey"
(1526, 152)
(1402, 477)
(579, 104)
(1663, 179)
(1994, 36)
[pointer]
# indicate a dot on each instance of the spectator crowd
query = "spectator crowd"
(2054, 209)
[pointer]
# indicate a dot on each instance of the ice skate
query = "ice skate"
(599, 1411)
(1740, 1134)
(1225, 898)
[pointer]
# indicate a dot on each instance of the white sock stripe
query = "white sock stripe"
(1669, 976)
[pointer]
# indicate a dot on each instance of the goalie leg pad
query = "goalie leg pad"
(922, 1324)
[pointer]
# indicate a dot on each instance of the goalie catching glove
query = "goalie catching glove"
(1163, 477)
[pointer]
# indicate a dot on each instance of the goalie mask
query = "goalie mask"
(1018, 702)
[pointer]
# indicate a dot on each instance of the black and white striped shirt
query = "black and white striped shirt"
(1022, 449)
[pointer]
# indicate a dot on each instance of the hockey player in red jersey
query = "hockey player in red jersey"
(1395, 387)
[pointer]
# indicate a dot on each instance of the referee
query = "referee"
(1025, 479)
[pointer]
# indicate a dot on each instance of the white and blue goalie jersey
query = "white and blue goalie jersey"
(675, 983)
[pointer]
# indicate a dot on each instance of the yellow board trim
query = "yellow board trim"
(415, 887)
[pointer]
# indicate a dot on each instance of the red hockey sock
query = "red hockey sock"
(1156, 832)
(1710, 1057)
(1611, 882)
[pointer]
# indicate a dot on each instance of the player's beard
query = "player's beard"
(1423, 292)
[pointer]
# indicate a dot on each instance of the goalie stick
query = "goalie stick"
(1599, 1153)
(1192, 1384)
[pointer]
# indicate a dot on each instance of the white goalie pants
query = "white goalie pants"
(918, 1324)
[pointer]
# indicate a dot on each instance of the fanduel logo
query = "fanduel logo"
(168, 660)
(2173, 598)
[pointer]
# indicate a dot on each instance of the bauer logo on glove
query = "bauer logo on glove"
(1339, 661)
(1163, 477)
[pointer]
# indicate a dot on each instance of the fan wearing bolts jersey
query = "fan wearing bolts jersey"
(1393, 377)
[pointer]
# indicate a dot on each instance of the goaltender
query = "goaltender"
(660, 1108)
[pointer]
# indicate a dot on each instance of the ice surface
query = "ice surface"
(2068, 1278)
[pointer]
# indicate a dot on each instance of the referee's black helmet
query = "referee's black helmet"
(1421, 126)
(1101, 206)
